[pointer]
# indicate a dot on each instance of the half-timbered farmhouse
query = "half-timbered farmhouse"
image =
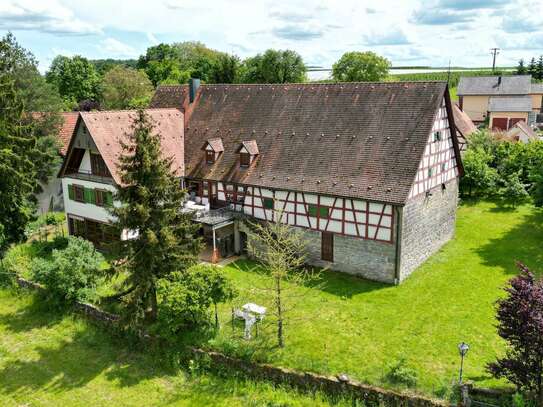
(367, 171)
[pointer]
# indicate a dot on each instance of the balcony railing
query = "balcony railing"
(89, 176)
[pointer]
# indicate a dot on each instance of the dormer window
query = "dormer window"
(244, 159)
(212, 148)
(210, 157)
(248, 150)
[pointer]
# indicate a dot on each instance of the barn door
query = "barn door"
(327, 246)
(499, 123)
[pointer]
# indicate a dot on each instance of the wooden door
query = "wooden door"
(327, 246)
(499, 123)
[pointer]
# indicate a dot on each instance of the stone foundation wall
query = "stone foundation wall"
(428, 222)
(370, 259)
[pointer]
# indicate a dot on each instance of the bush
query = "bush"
(72, 273)
(185, 298)
(400, 373)
(184, 303)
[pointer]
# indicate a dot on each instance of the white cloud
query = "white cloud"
(152, 39)
(44, 16)
(118, 49)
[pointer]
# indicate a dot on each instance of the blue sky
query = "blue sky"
(408, 32)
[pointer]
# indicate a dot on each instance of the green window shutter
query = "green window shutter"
(312, 210)
(71, 192)
(109, 198)
(323, 212)
(268, 203)
(89, 195)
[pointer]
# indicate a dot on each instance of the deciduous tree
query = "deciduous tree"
(274, 66)
(75, 78)
(123, 86)
(281, 250)
(520, 324)
(360, 67)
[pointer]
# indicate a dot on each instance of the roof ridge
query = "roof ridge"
(129, 110)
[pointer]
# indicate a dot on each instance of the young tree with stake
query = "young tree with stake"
(281, 250)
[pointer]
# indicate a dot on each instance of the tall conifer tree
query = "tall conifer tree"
(151, 200)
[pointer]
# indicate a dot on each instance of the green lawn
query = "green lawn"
(49, 359)
(360, 327)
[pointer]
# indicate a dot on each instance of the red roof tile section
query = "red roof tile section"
(362, 140)
(69, 121)
(109, 127)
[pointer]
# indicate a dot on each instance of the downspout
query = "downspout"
(397, 262)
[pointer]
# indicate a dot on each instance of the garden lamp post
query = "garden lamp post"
(463, 350)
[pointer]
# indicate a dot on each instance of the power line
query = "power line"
(494, 52)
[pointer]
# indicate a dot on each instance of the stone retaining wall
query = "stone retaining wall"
(330, 385)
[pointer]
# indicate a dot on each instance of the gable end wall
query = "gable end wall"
(428, 219)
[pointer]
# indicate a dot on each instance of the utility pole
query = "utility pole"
(494, 52)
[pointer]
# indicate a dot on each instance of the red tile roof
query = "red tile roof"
(69, 121)
(108, 128)
(362, 140)
(250, 146)
(215, 144)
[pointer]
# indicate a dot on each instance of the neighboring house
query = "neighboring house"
(522, 132)
(502, 100)
(464, 127)
(51, 196)
(368, 172)
(89, 173)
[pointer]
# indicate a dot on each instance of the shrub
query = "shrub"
(184, 303)
(72, 272)
(185, 298)
(401, 373)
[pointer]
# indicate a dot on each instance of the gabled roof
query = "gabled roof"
(522, 127)
(494, 85)
(108, 128)
(362, 140)
(250, 146)
(510, 104)
(215, 144)
(464, 125)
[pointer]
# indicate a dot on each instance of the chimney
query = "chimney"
(194, 84)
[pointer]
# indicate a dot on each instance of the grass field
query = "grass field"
(354, 326)
(361, 327)
(49, 359)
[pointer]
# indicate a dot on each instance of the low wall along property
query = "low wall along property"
(333, 386)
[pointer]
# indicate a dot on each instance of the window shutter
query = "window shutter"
(71, 192)
(109, 198)
(89, 195)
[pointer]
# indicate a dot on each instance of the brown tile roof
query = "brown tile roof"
(169, 96)
(523, 127)
(361, 140)
(108, 128)
(215, 144)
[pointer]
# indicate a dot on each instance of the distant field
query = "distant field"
(454, 77)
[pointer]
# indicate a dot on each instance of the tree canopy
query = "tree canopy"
(360, 67)
(75, 78)
(28, 146)
(125, 87)
(274, 66)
